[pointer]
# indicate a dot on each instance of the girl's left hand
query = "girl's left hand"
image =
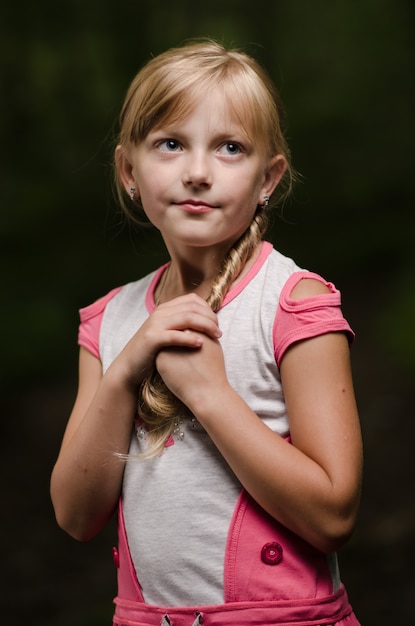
(193, 373)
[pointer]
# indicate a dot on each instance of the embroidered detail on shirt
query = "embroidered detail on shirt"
(178, 433)
(140, 430)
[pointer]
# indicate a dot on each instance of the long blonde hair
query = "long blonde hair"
(165, 90)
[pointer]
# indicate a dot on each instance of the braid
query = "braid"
(159, 409)
(237, 257)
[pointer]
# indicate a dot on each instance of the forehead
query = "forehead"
(216, 102)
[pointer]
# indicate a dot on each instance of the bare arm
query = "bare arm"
(87, 477)
(311, 486)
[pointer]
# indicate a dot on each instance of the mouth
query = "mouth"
(195, 206)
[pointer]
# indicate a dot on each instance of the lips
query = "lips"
(195, 206)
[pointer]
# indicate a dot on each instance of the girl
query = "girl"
(215, 402)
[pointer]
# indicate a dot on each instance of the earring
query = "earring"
(266, 201)
(132, 193)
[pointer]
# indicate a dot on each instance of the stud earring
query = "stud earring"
(132, 193)
(266, 201)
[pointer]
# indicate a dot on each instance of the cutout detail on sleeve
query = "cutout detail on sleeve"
(307, 317)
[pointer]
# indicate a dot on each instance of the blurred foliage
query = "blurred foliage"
(345, 72)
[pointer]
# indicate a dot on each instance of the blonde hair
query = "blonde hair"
(166, 90)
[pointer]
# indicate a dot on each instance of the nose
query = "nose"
(197, 172)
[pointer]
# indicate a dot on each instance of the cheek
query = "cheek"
(157, 181)
(253, 192)
(148, 186)
(253, 180)
(149, 202)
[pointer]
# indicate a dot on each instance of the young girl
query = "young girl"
(215, 403)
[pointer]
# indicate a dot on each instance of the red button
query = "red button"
(116, 557)
(271, 553)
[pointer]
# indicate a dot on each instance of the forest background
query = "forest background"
(345, 69)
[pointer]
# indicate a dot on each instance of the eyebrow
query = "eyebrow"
(235, 133)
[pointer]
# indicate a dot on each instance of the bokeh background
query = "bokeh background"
(345, 69)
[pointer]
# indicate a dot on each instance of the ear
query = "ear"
(275, 170)
(124, 166)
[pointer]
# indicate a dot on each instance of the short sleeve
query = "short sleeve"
(305, 318)
(90, 326)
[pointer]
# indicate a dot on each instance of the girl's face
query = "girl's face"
(200, 179)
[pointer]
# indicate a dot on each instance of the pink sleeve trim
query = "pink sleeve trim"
(308, 317)
(90, 326)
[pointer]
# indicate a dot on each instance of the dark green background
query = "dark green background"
(345, 69)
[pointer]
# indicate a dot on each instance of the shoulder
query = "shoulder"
(283, 265)
(116, 302)
(90, 322)
(98, 307)
(309, 287)
(296, 283)
(309, 306)
(304, 284)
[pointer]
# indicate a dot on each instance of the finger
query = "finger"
(191, 302)
(184, 318)
(183, 339)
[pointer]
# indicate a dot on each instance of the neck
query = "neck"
(187, 274)
(183, 277)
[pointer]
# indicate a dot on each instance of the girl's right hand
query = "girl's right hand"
(181, 322)
(87, 477)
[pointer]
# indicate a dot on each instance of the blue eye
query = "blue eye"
(169, 145)
(231, 148)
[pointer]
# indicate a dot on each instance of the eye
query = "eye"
(169, 145)
(231, 148)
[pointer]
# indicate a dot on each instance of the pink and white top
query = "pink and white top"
(178, 506)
